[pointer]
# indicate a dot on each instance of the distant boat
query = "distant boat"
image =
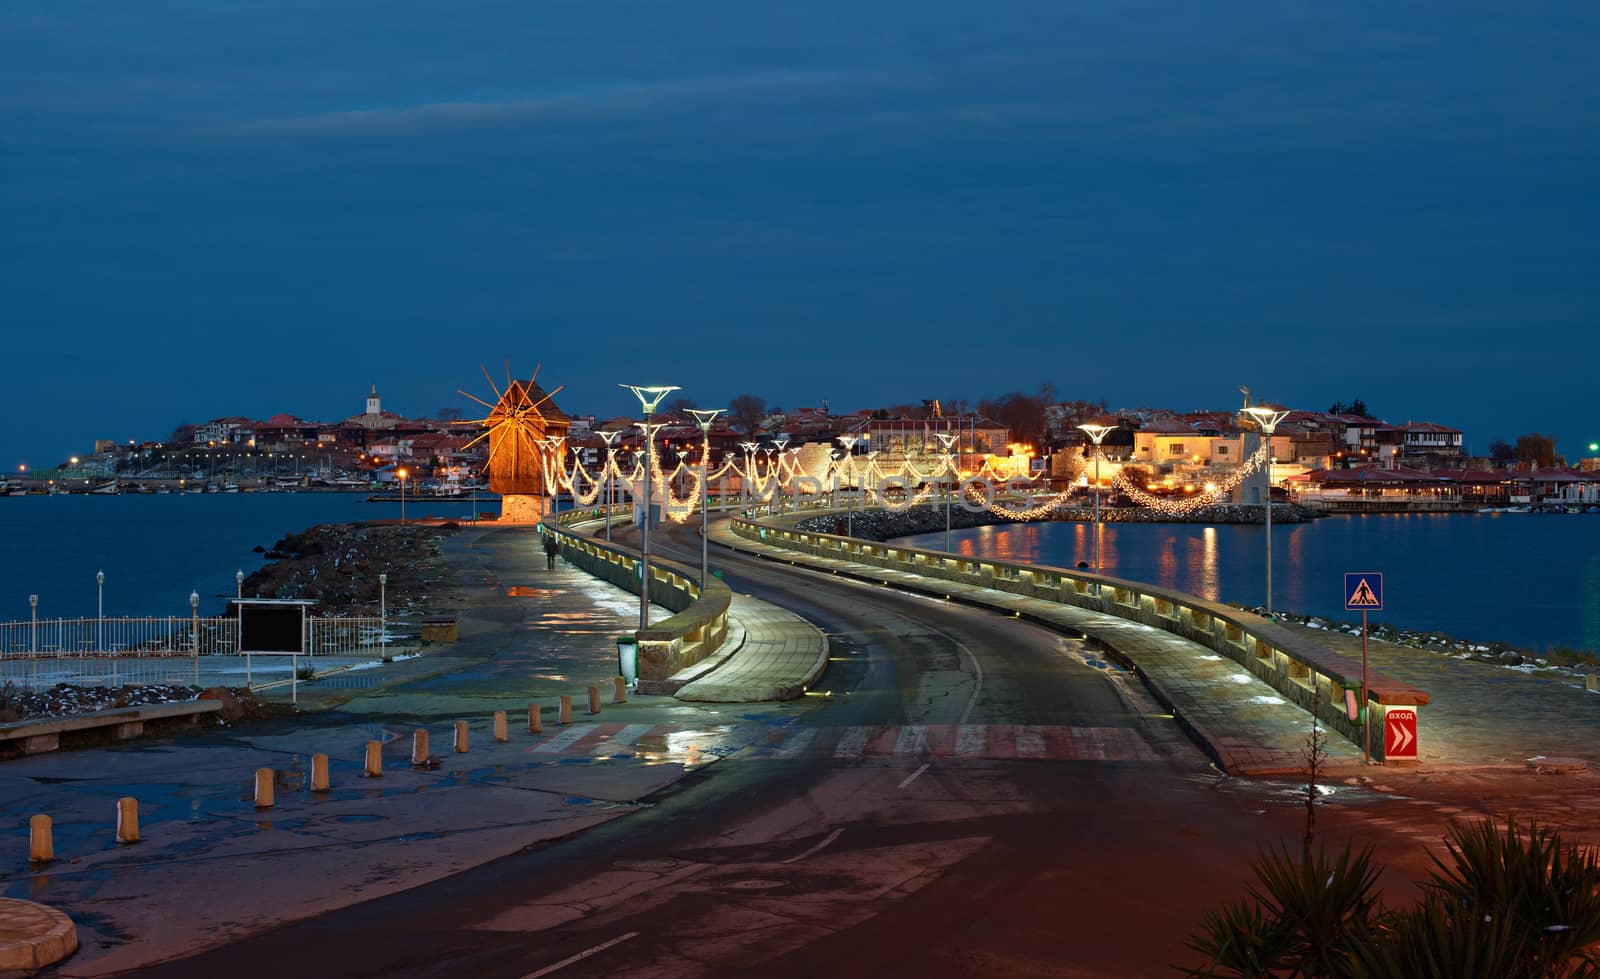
(230, 488)
(109, 489)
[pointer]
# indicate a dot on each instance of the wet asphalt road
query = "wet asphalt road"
(834, 863)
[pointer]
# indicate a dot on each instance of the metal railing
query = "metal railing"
(114, 652)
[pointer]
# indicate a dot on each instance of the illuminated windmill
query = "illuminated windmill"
(520, 419)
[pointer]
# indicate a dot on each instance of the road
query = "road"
(964, 794)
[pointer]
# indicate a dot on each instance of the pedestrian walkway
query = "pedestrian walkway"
(1246, 725)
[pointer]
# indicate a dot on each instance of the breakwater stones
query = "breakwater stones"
(929, 518)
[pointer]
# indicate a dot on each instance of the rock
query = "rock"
(1509, 658)
(232, 710)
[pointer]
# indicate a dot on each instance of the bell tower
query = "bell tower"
(374, 403)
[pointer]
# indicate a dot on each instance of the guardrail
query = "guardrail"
(110, 652)
(1304, 671)
(695, 631)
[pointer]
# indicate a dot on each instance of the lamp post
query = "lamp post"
(238, 584)
(194, 620)
(553, 444)
(33, 604)
(1096, 432)
(777, 491)
(401, 475)
(746, 478)
(100, 610)
(1268, 419)
(383, 606)
(704, 416)
(947, 439)
(849, 443)
(610, 439)
(649, 398)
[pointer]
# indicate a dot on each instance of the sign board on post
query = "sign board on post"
(273, 627)
(1400, 734)
(1363, 591)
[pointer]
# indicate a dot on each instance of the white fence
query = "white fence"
(114, 652)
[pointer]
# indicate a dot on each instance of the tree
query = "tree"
(682, 404)
(746, 411)
(182, 435)
(1502, 452)
(1022, 413)
(1537, 450)
(1355, 407)
(449, 414)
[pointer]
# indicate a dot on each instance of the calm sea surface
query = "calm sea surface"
(1522, 578)
(156, 549)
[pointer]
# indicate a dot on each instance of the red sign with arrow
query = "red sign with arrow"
(1400, 734)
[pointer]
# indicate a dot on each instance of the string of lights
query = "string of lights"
(1209, 496)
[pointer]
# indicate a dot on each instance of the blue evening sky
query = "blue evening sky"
(214, 207)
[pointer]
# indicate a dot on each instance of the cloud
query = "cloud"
(584, 101)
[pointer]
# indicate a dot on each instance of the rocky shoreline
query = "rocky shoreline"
(337, 566)
(882, 525)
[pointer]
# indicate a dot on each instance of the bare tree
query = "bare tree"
(746, 411)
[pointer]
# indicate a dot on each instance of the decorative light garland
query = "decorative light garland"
(1192, 504)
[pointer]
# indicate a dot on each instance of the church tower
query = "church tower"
(374, 403)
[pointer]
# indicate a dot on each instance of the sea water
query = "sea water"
(1532, 580)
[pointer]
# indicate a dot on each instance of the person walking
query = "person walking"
(550, 549)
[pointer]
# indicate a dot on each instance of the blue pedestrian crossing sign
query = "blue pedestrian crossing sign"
(1363, 591)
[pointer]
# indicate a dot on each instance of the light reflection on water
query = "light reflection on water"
(1528, 579)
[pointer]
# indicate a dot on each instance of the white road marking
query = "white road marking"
(971, 740)
(913, 776)
(824, 842)
(581, 955)
(796, 744)
(569, 736)
(913, 738)
(628, 736)
(1030, 742)
(853, 743)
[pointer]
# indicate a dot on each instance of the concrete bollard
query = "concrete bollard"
(500, 727)
(41, 840)
(419, 747)
(127, 820)
(1591, 683)
(535, 719)
(461, 737)
(565, 715)
(319, 773)
(620, 694)
(263, 788)
(594, 700)
(374, 763)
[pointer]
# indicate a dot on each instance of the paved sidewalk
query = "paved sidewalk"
(1248, 727)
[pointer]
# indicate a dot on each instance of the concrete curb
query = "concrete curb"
(1206, 741)
(33, 936)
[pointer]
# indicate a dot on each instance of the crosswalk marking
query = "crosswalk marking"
(560, 741)
(853, 743)
(795, 743)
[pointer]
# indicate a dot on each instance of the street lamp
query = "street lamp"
(100, 609)
(649, 398)
(553, 444)
(610, 439)
(747, 478)
(33, 604)
(705, 416)
(194, 618)
(849, 443)
(778, 489)
(947, 439)
(1268, 419)
(238, 584)
(1096, 432)
(401, 475)
(383, 607)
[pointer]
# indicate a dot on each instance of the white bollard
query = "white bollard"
(500, 726)
(419, 747)
(461, 737)
(535, 719)
(620, 694)
(594, 700)
(373, 767)
(565, 716)
(319, 773)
